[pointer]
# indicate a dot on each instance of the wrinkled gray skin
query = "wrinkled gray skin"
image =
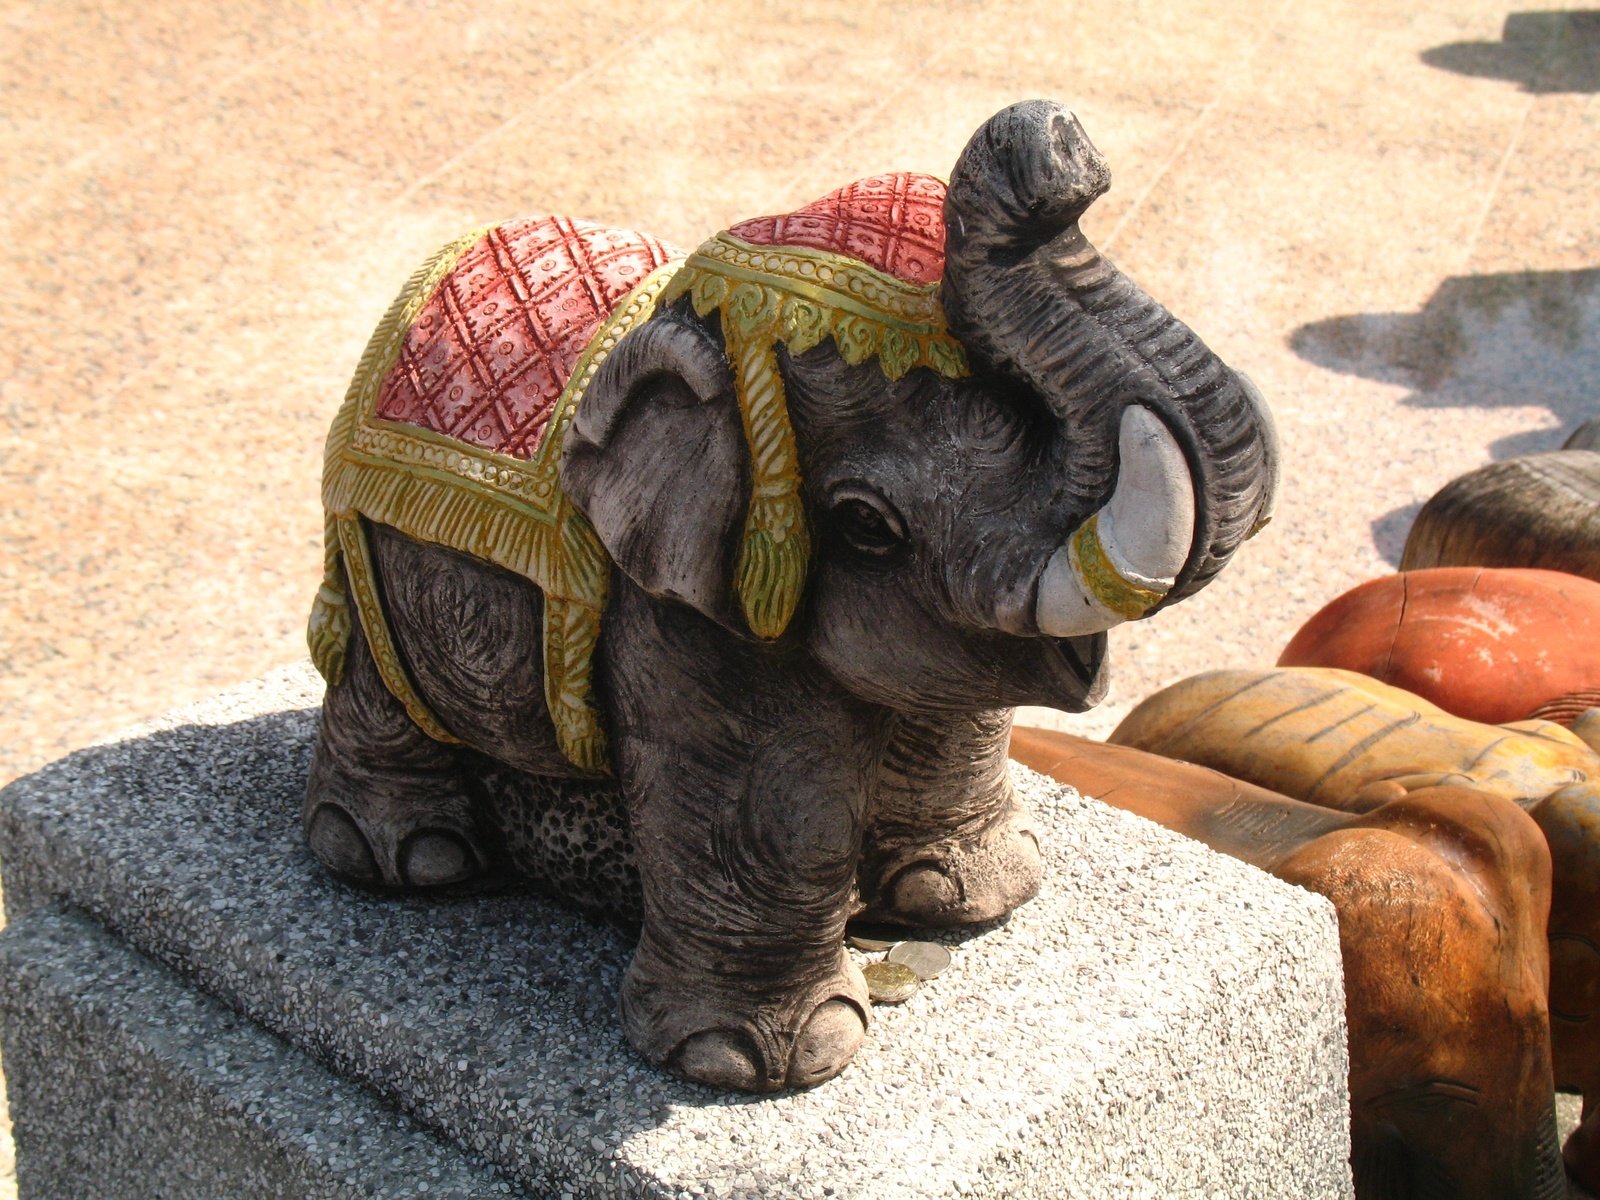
(856, 764)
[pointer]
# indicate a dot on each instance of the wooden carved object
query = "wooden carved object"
(1541, 510)
(1443, 897)
(700, 586)
(1348, 742)
(1488, 644)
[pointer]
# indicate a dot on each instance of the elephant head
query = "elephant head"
(947, 445)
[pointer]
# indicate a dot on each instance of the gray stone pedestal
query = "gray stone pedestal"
(190, 1008)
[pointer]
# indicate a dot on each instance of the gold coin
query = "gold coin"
(890, 983)
(927, 959)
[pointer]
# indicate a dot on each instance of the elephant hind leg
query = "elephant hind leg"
(386, 805)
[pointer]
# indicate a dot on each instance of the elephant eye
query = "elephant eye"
(867, 522)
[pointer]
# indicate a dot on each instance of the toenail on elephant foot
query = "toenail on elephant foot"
(437, 858)
(750, 1036)
(924, 888)
(828, 1042)
(720, 1058)
(430, 857)
(340, 846)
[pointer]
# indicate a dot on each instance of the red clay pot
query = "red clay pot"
(1488, 644)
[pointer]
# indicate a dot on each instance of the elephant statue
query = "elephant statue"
(1447, 889)
(1485, 643)
(701, 587)
(1345, 741)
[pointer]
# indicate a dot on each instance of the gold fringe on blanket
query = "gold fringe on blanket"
(328, 631)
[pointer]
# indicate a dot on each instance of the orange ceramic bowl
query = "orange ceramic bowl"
(1488, 644)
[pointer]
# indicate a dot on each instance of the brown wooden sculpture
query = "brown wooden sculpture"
(1348, 742)
(1488, 644)
(1541, 510)
(1442, 898)
(774, 534)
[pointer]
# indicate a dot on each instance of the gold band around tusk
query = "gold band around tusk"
(1102, 580)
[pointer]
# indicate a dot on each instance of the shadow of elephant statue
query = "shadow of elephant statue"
(777, 533)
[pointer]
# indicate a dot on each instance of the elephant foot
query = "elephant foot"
(386, 805)
(400, 836)
(746, 1035)
(974, 875)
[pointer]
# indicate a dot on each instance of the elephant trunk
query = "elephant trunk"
(1031, 298)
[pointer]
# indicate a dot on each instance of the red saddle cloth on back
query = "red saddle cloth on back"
(893, 223)
(489, 354)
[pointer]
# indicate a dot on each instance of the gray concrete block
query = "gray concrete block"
(1162, 1021)
(131, 1083)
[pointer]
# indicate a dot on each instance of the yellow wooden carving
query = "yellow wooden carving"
(1348, 741)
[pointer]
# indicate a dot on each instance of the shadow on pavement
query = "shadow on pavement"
(1522, 338)
(1546, 52)
(1389, 532)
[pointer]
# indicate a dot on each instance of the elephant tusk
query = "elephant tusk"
(1122, 561)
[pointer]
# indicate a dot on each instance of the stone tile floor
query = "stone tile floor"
(1388, 219)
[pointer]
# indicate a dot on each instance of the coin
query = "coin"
(871, 938)
(890, 983)
(927, 959)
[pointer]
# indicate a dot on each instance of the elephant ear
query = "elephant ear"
(656, 459)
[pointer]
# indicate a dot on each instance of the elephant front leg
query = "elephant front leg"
(950, 842)
(740, 979)
(747, 775)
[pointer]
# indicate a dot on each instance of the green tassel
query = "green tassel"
(328, 633)
(772, 563)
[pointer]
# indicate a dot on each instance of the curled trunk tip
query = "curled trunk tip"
(1028, 174)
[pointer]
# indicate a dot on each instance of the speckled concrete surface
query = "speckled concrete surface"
(1153, 985)
(1385, 216)
(163, 1092)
